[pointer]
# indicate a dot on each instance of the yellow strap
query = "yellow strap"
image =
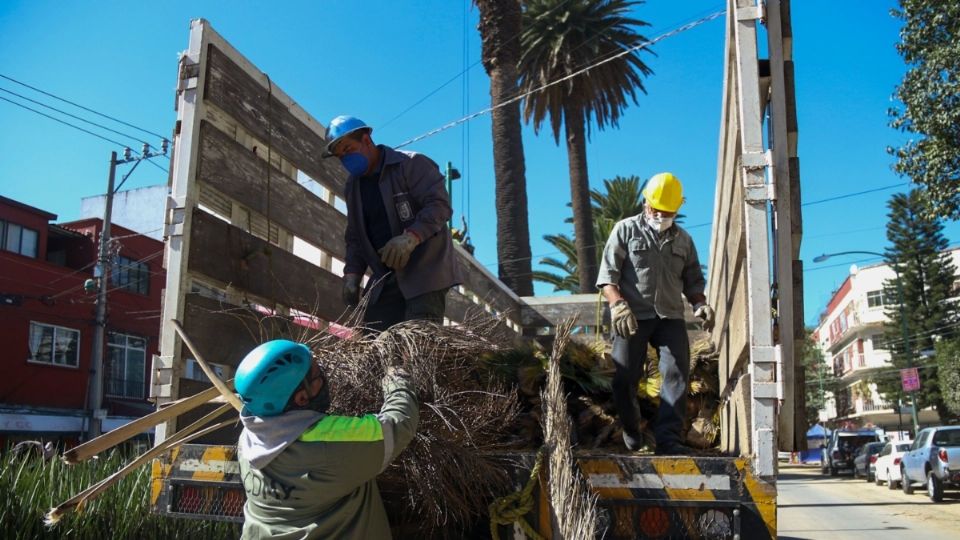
(512, 508)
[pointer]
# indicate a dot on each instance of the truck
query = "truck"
(844, 444)
(933, 459)
(244, 148)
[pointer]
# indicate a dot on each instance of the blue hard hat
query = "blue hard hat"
(269, 375)
(342, 126)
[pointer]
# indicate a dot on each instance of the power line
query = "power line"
(514, 99)
(120, 144)
(75, 117)
(838, 197)
(44, 92)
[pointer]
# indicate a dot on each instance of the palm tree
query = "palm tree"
(621, 200)
(559, 38)
(499, 28)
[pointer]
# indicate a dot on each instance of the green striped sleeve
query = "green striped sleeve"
(365, 428)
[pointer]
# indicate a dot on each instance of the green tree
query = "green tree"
(499, 27)
(620, 199)
(929, 98)
(820, 379)
(561, 37)
(948, 373)
(917, 253)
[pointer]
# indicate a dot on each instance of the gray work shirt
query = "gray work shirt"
(652, 269)
(415, 199)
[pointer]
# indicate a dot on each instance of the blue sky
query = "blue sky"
(376, 58)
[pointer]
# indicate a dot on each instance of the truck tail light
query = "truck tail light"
(873, 459)
(896, 461)
(943, 455)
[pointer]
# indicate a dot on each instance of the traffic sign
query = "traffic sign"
(910, 379)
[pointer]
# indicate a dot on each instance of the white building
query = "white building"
(139, 209)
(850, 334)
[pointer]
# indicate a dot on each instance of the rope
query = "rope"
(511, 509)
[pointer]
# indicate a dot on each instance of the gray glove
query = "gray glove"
(623, 319)
(396, 252)
(351, 289)
(705, 313)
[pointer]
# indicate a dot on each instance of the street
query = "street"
(814, 506)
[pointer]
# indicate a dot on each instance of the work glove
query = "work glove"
(705, 313)
(351, 289)
(396, 252)
(623, 319)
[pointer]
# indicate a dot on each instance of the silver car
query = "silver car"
(888, 463)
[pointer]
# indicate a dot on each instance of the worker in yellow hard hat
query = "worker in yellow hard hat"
(650, 263)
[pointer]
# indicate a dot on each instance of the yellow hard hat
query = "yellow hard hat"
(664, 192)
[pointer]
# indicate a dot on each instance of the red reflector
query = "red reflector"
(873, 459)
(896, 461)
(943, 455)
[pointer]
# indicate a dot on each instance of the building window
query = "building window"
(55, 345)
(18, 239)
(130, 275)
(875, 299)
(879, 343)
(125, 366)
(195, 373)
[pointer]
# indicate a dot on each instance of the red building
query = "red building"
(47, 317)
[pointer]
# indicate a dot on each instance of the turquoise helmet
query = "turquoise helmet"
(269, 375)
(342, 126)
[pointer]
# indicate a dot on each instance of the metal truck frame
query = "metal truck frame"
(240, 272)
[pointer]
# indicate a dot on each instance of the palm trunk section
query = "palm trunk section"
(499, 24)
(580, 200)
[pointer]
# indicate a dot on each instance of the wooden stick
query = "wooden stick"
(187, 434)
(112, 438)
(207, 370)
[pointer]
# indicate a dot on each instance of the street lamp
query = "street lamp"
(903, 321)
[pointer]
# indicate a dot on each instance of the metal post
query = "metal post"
(449, 176)
(906, 348)
(99, 334)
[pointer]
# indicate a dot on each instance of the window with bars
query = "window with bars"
(18, 239)
(57, 345)
(126, 360)
(130, 275)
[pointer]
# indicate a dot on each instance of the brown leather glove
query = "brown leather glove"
(623, 319)
(396, 253)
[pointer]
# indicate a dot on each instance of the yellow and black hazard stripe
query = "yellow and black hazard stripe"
(198, 480)
(681, 497)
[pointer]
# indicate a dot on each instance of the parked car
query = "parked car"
(887, 465)
(843, 446)
(863, 463)
(934, 458)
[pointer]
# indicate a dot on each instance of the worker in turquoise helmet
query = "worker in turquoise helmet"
(397, 213)
(649, 265)
(308, 473)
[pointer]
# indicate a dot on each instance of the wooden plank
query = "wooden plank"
(253, 105)
(221, 436)
(459, 307)
(539, 311)
(231, 169)
(232, 256)
(489, 289)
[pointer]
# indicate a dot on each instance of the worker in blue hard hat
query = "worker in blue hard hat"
(649, 263)
(397, 213)
(306, 473)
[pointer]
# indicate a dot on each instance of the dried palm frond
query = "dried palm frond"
(444, 478)
(573, 506)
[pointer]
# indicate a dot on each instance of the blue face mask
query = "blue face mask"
(355, 163)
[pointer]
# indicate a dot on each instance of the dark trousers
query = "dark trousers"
(392, 308)
(669, 337)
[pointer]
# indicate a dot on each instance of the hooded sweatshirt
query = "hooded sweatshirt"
(312, 475)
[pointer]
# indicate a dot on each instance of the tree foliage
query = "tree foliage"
(819, 377)
(948, 373)
(926, 276)
(929, 97)
(559, 39)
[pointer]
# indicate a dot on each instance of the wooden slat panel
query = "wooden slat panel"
(487, 289)
(234, 171)
(459, 306)
(234, 91)
(230, 255)
(551, 311)
(228, 435)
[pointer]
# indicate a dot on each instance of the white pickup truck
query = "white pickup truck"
(934, 458)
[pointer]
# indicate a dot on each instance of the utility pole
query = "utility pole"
(101, 276)
(451, 175)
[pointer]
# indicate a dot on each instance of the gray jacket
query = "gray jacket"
(652, 269)
(416, 200)
(308, 475)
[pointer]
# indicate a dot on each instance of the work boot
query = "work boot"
(639, 442)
